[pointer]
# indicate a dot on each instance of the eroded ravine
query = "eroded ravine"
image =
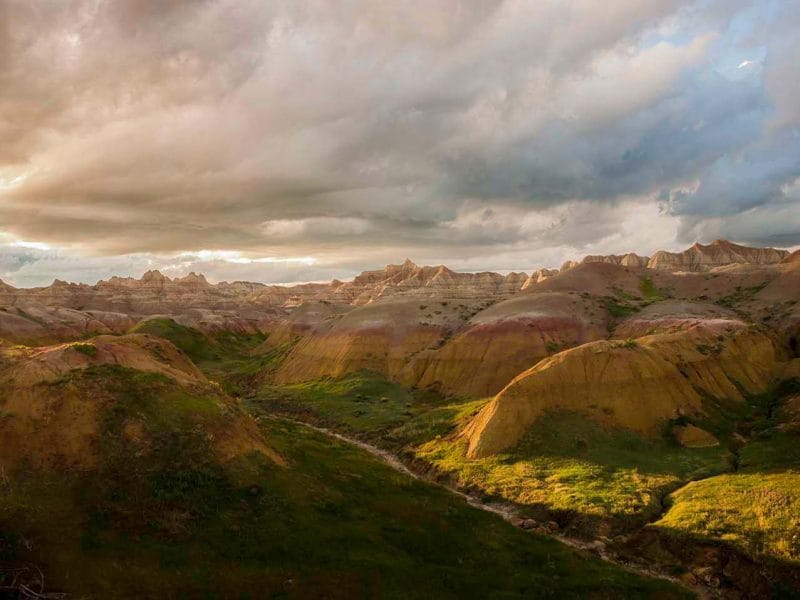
(505, 511)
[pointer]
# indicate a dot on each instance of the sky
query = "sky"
(303, 140)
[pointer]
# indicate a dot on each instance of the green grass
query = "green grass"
(362, 403)
(619, 309)
(757, 508)
(171, 522)
(225, 357)
(650, 292)
(778, 450)
(754, 511)
(89, 350)
(198, 346)
(568, 463)
(191, 341)
(565, 463)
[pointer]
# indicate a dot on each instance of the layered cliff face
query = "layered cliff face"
(499, 342)
(537, 277)
(716, 254)
(670, 316)
(638, 384)
(408, 279)
(624, 260)
(430, 326)
(381, 336)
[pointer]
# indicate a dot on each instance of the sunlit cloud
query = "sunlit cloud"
(289, 141)
(27, 244)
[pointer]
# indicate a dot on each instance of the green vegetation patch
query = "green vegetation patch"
(757, 507)
(649, 290)
(568, 462)
(740, 295)
(619, 309)
(227, 357)
(89, 350)
(193, 342)
(757, 512)
(363, 403)
(197, 345)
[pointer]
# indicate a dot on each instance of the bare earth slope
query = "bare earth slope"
(638, 384)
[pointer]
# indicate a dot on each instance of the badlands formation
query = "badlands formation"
(592, 391)
(481, 334)
(627, 339)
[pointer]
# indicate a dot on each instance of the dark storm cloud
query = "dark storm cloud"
(327, 130)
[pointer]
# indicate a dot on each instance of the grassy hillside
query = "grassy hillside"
(164, 514)
(757, 507)
(754, 511)
(564, 463)
(201, 348)
(567, 463)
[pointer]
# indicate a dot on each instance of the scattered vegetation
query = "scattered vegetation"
(626, 343)
(617, 309)
(362, 403)
(89, 350)
(740, 296)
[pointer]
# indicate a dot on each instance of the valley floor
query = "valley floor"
(622, 496)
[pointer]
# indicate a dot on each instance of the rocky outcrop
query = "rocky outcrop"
(630, 384)
(691, 436)
(624, 260)
(716, 254)
(408, 279)
(567, 265)
(538, 276)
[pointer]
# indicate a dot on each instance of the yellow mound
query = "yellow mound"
(136, 351)
(694, 437)
(501, 341)
(380, 337)
(52, 417)
(637, 384)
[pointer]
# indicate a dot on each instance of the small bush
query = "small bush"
(89, 350)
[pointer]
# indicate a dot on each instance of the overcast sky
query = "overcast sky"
(305, 140)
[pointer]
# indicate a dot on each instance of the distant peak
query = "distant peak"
(192, 278)
(409, 264)
(154, 275)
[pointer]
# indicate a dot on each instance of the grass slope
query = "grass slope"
(366, 405)
(567, 463)
(757, 507)
(201, 348)
(754, 511)
(162, 518)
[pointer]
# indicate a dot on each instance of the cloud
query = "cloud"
(473, 132)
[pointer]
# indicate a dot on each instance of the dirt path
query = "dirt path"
(504, 511)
